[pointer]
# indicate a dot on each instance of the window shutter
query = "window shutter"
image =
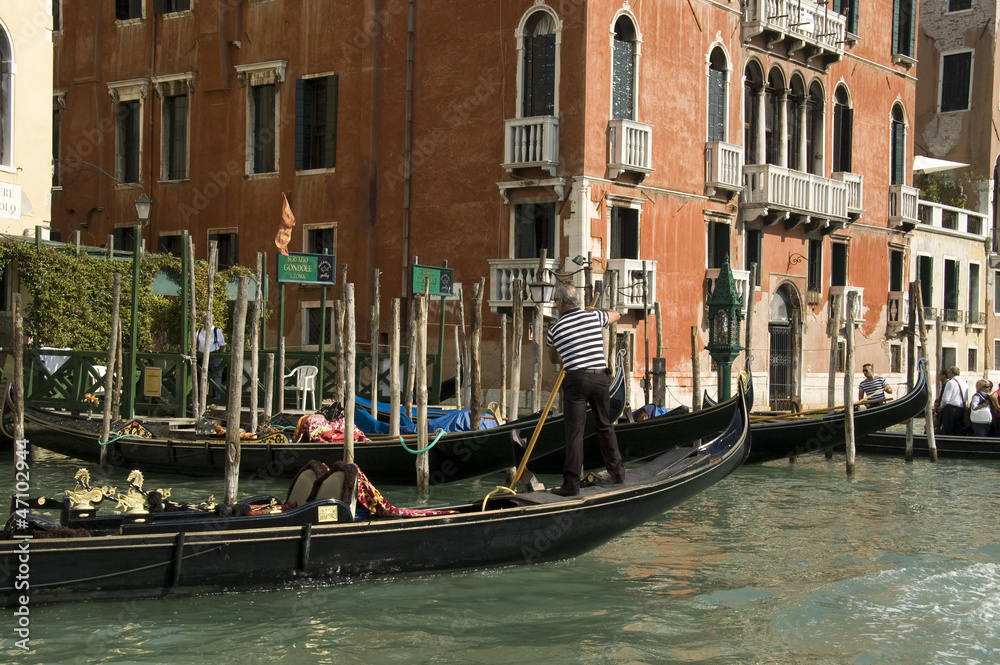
(301, 130)
(623, 84)
(896, 10)
(539, 75)
(852, 17)
(716, 105)
(330, 160)
(910, 15)
(955, 73)
(898, 150)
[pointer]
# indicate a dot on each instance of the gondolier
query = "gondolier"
(575, 340)
(874, 388)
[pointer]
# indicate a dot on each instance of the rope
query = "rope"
(440, 433)
(498, 488)
(110, 441)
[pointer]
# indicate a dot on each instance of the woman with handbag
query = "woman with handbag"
(980, 413)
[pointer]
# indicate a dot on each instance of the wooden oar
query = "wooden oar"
(807, 412)
(538, 428)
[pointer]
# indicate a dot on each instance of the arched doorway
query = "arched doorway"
(783, 357)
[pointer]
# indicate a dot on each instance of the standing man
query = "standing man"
(217, 342)
(954, 396)
(874, 388)
(575, 340)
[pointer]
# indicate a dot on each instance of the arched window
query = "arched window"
(897, 147)
(794, 116)
(753, 86)
(717, 97)
(623, 70)
(539, 73)
(843, 130)
(774, 133)
(6, 100)
(814, 130)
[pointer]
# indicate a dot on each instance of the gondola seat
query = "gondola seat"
(304, 481)
(340, 483)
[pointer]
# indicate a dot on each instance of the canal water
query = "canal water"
(779, 564)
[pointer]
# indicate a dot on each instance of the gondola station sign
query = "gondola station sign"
(300, 268)
(440, 280)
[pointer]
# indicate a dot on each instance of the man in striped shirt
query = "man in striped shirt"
(576, 341)
(874, 388)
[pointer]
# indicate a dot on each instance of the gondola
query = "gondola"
(457, 455)
(320, 542)
(948, 447)
(791, 435)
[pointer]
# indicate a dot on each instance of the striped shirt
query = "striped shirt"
(873, 388)
(577, 338)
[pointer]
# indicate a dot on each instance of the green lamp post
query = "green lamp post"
(725, 311)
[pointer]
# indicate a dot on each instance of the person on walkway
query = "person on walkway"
(954, 397)
(873, 389)
(980, 408)
(575, 340)
(217, 342)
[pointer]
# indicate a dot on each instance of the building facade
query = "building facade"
(656, 139)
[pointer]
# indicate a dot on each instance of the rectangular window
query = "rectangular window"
(128, 140)
(718, 244)
(956, 81)
(951, 290)
(904, 17)
(316, 123)
(126, 9)
(895, 270)
(996, 292)
(228, 246)
(124, 238)
(838, 264)
(56, 15)
(849, 9)
(814, 278)
(925, 275)
(755, 250)
(973, 293)
(949, 356)
(175, 133)
(959, 5)
(171, 6)
(973, 360)
(263, 130)
(624, 233)
(321, 239)
(534, 229)
(314, 325)
(841, 356)
(56, 131)
(996, 354)
(170, 244)
(895, 358)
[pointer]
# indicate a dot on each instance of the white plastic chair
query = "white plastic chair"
(305, 385)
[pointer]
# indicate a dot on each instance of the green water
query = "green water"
(778, 564)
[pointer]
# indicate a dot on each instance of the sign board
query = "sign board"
(441, 280)
(10, 201)
(297, 268)
(152, 385)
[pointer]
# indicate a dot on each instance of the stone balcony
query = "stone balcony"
(741, 277)
(723, 167)
(629, 148)
(630, 285)
(933, 215)
(779, 193)
(903, 207)
(842, 291)
(898, 310)
(802, 25)
(532, 143)
(855, 192)
(503, 272)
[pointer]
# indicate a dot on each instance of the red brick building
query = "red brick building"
(672, 133)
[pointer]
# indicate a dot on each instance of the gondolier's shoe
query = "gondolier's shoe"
(562, 490)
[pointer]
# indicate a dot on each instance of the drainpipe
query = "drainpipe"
(408, 152)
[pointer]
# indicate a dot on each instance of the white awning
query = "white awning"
(922, 164)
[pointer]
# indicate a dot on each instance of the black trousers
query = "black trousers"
(582, 388)
(952, 419)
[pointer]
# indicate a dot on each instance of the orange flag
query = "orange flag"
(287, 224)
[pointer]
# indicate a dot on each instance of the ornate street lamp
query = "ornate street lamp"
(541, 290)
(725, 311)
(143, 205)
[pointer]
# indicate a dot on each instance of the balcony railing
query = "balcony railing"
(741, 277)
(800, 23)
(940, 216)
(953, 316)
(898, 313)
(786, 190)
(723, 166)
(503, 272)
(975, 319)
(902, 205)
(630, 285)
(858, 302)
(855, 191)
(532, 142)
(629, 147)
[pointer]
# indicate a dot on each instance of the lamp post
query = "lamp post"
(142, 208)
(725, 311)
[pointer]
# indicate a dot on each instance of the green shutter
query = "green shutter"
(300, 125)
(330, 139)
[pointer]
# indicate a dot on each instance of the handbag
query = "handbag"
(980, 416)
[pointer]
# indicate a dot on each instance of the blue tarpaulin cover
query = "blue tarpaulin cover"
(452, 421)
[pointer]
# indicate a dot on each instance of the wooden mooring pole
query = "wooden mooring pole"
(911, 360)
(929, 407)
(514, 405)
(476, 369)
(235, 390)
(394, 387)
(423, 462)
(213, 257)
(849, 382)
(109, 368)
(255, 343)
(695, 372)
(374, 337)
(20, 444)
(349, 387)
